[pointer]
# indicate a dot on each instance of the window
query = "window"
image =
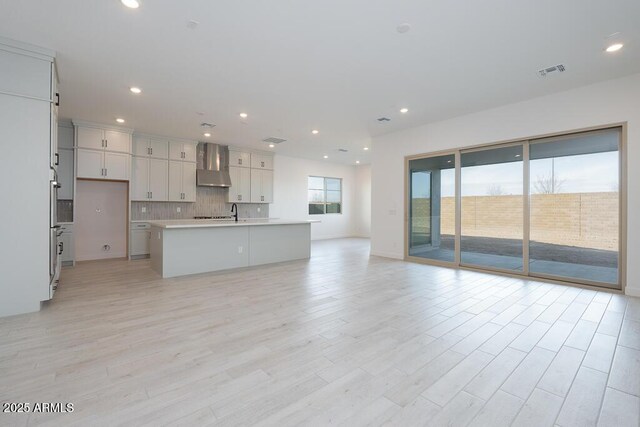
(542, 207)
(325, 195)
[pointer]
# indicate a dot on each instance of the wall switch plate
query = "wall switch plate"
(143, 209)
(258, 209)
(240, 249)
(178, 209)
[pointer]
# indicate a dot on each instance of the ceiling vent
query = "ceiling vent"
(384, 119)
(274, 140)
(343, 150)
(206, 125)
(555, 69)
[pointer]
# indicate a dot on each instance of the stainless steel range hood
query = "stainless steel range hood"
(213, 165)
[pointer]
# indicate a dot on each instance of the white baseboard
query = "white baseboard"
(392, 255)
(632, 291)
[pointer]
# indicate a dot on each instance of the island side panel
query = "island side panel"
(278, 243)
(155, 249)
(200, 250)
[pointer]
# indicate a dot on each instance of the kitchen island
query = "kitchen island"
(182, 247)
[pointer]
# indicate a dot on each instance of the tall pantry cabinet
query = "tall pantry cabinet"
(28, 123)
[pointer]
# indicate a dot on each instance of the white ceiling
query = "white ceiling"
(334, 65)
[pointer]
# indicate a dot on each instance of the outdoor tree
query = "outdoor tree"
(548, 184)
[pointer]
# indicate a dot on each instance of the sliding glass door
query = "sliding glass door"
(547, 208)
(432, 208)
(492, 208)
(574, 185)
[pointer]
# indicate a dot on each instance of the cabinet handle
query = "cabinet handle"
(151, 194)
(57, 99)
(151, 150)
(148, 150)
(57, 162)
(106, 143)
(261, 164)
(262, 198)
(61, 246)
(102, 143)
(105, 171)
(240, 161)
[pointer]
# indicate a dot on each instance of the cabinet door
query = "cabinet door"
(245, 185)
(140, 146)
(117, 141)
(90, 164)
(90, 138)
(67, 247)
(260, 161)
(159, 180)
(240, 159)
(267, 186)
(140, 242)
(159, 149)
(175, 150)
(256, 185)
(189, 151)
(140, 178)
(189, 182)
(65, 175)
(234, 174)
(116, 166)
(175, 181)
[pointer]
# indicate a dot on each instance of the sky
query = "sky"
(585, 173)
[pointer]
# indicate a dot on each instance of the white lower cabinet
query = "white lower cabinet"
(182, 181)
(240, 190)
(66, 245)
(140, 239)
(102, 165)
(261, 186)
(150, 179)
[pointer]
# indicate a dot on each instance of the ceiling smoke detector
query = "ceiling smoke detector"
(555, 69)
(384, 119)
(274, 140)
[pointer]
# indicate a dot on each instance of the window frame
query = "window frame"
(324, 194)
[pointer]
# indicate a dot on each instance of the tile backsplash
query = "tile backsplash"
(65, 210)
(210, 201)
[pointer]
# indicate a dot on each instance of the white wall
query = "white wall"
(600, 104)
(290, 195)
(363, 201)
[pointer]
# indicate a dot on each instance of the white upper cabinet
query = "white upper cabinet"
(150, 180)
(94, 138)
(261, 186)
(25, 75)
(150, 147)
(261, 161)
(182, 151)
(239, 159)
(102, 165)
(182, 181)
(240, 190)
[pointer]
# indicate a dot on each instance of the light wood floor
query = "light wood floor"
(341, 339)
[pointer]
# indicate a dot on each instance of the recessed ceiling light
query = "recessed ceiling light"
(132, 4)
(366, 148)
(135, 90)
(244, 115)
(326, 157)
(614, 47)
(207, 134)
(357, 162)
(315, 131)
(120, 120)
(404, 110)
(271, 145)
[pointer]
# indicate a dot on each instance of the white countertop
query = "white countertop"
(204, 223)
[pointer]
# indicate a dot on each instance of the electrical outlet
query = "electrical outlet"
(144, 209)
(178, 209)
(240, 249)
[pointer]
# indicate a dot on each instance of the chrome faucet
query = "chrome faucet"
(234, 208)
